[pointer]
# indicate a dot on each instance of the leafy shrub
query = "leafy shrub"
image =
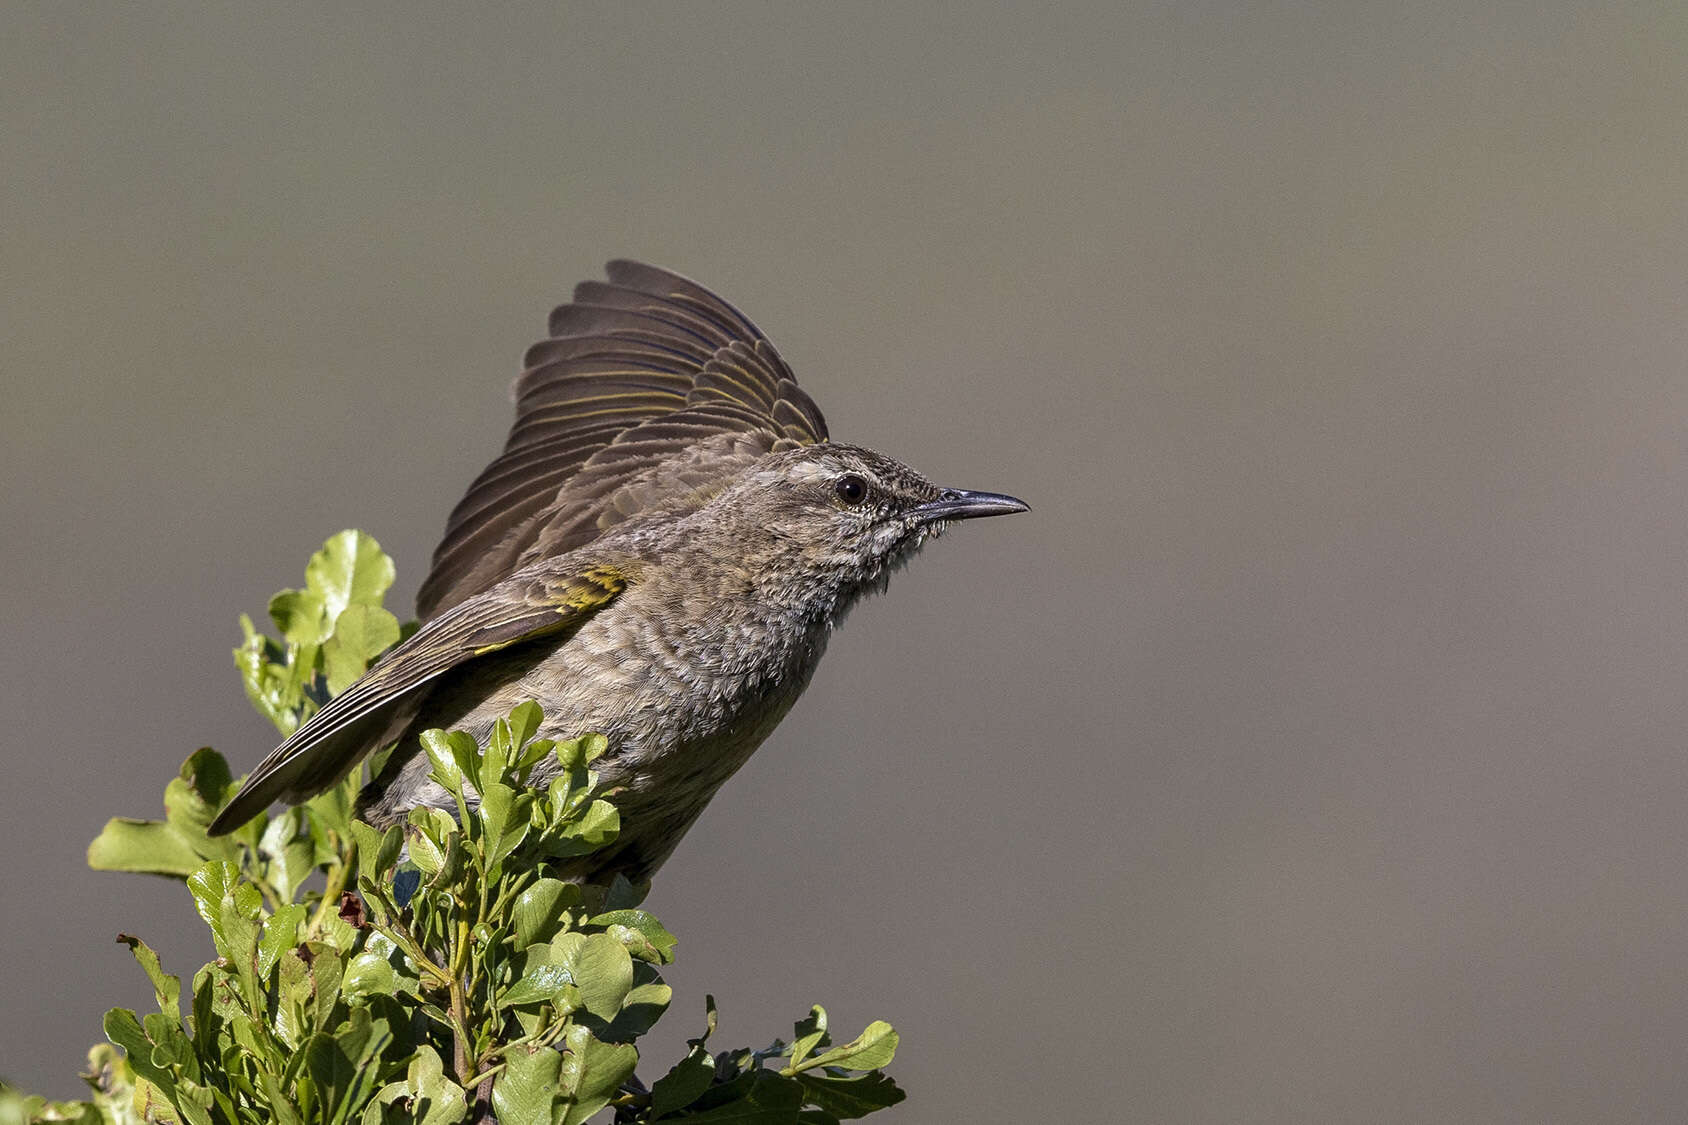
(463, 979)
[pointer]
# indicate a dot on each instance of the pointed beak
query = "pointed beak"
(961, 504)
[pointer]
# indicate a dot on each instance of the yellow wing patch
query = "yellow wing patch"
(550, 604)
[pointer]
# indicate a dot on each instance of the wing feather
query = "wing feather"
(645, 370)
(538, 602)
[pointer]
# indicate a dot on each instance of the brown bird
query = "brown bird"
(658, 555)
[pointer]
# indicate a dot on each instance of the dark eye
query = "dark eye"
(851, 489)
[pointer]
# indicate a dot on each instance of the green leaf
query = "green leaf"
(593, 747)
(592, 1071)
(276, 678)
(808, 1034)
(290, 851)
(433, 1098)
(568, 754)
(757, 1098)
(377, 851)
(531, 755)
(171, 1046)
(684, 1084)
(527, 1086)
(640, 1010)
(149, 847)
(847, 1098)
(361, 633)
(235, 934)
(430, 833)
(194, 1102)
(301, 616)
(253, 659)
(369, 974)
(336, 932)
(598, 825)
(366, 631)
(165, 988)
(872, 1049)
(207, 1022)
(329, 815)
(644, 937)
(328, 969)
(596, 964)
(453, 863)
(113, 1087)
(351, 569)
(367, 839)
(215, 885)
(447, 771)
(465, 752)
(499, 750)
(340, 1065)
(178, 845)
(123, 1029)
(524, 722)
(193, 797)
(392, 843)
(281, 933)
(599, 966)
(538, 911)
(504, 812)
(245, 1035)
(209, 885)
(542, 974)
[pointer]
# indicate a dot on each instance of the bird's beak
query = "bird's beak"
(961, 504)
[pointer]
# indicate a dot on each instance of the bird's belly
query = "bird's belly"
(677, 727)
(679, 722)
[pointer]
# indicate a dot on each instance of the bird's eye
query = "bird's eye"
(851, 489)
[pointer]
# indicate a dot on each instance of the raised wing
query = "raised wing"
(650, 394)
(538, 602)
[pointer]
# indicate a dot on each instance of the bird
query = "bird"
(658, 555)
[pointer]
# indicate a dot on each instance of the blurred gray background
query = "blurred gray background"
(1313, 752)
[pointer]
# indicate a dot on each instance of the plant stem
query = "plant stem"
(484, 1077)
(459, 1031)
(419, 957)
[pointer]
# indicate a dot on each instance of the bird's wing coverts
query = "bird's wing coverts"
(649, 395)
(535, 603)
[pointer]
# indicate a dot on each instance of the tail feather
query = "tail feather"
(298, 774)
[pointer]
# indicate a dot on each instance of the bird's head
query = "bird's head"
(834, 520)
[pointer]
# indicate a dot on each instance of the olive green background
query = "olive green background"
(1313, 751)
